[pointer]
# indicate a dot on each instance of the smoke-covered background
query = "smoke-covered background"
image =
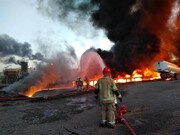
(37, 30)
(127, 34)
(9, 48)
(143, 31)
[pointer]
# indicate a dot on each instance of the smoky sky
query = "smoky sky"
(74, 14)
(70, 12)
(64, 7)
(11, 59)
(138, 28)
(9, 48)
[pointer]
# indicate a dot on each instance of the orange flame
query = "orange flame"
(137, 75)
(50, 77)
(47, 77)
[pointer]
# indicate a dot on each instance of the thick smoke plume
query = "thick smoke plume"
(63, 8)
(143, 31)
(73, 14)
(11, 59)
(59, 69)
(140, 31)
(9, 48)
(63, 68)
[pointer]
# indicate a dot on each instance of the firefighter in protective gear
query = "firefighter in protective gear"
(87, 82)
(79, 84)
(105, 89)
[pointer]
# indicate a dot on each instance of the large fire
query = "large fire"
(137, 75)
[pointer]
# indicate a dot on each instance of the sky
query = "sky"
(24, 21)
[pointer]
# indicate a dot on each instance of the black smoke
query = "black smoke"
(137, 27)
(73, 13)
(11, 59)
(64, 7)
(9, 48)
(126, 56)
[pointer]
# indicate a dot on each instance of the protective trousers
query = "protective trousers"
(108, 112)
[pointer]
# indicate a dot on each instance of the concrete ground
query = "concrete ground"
(154, 110)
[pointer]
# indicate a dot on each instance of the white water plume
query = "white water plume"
(91, 64)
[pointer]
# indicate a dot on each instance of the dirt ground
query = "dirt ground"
(154, 110)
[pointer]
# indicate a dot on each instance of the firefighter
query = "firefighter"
(79, 83)
(87, 82)
(105, 89)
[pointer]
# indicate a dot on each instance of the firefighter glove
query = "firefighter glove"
(120, 98)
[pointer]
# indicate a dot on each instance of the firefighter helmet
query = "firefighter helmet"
(106, 71)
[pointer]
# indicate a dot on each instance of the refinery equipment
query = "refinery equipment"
(12, 75)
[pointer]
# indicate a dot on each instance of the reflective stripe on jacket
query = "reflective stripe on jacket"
(106, 86)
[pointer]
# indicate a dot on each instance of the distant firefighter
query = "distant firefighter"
(79, 83)
(87, 82)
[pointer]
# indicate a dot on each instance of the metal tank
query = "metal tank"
(167, 69)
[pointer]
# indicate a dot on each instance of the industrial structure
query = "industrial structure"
(12, 75)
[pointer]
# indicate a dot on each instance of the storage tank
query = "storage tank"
(167, 69)
(24, 69)
(24, 66)
(11, 75)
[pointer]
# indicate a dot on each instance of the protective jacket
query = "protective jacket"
(105, 89)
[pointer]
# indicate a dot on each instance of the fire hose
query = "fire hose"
(13, 98)
(122, 110)
(64, 94)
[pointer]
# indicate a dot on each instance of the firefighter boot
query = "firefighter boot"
(109, 125)
(103, 124)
